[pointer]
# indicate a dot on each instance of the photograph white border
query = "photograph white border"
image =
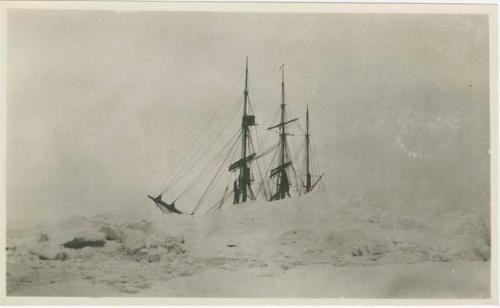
(325, 7)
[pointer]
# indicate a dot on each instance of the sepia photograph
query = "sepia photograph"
(259, 151)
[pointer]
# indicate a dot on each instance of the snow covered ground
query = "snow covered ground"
(303, 247)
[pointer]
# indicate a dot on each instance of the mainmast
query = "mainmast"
(280, 172)
(308, 171)
(244, 127)
(242, 186)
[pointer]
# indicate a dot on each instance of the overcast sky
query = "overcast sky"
(102, 105)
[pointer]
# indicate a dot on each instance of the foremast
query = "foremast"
(242, 187)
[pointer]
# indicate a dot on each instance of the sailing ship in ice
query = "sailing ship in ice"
(247, 179)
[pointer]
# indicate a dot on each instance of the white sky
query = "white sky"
(101, 105)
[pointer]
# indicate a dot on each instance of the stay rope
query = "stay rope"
(231, 150)
(197, 152)
(198, 178)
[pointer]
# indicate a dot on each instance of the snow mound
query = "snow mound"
(258, 236)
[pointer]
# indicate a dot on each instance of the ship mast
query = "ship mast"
(242, 190)
(244, 170)
(282, 185)
(242, 186)
(308, 171)
(280, 172)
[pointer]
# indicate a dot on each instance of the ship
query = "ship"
(249, 179)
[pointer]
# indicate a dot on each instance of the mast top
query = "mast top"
(282, 68)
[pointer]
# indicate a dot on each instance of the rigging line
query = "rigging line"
(303, 169)
(275, 117)
(256, 160)
(269, 168)
(268, 92)
(224, 195)
(254, 108)
(196, 180)
(228, 155)
(297, 182)
(265, 184)
(219, 106)
(220, 203)
(195, 147)
(272, 115)
(259, 165)
(269, 150)
(229, 180)
(259, 144)
(315, 156)
(290, 146)
(292, 122)
(260, 141)
(292, 115)
(266, 81)
(315, 153)
(250, 104)
(271, 96)
(312, 157)
(289, 153)
(198, 153)
(301, 157)
(198, 177)
(176, 179)
(321, 182)
(297, 179)
(271, 89)
(215, 176)
(296, 153)
(258, 134)
(261, 155)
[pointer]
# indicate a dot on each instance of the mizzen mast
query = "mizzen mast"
(309, 183)
(308, 170)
